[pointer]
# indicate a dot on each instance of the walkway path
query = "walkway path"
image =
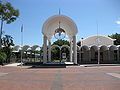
(70, 78)
(13, 64)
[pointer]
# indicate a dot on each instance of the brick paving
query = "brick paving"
(69, 78)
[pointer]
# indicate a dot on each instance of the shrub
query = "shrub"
(3, 57)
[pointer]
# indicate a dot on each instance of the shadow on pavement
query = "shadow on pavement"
(33, 67)
(48, 65)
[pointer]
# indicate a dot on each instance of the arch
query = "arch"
(65, 49)
(94, 47)
(118, 47)
(34, 47)
(113, 53)
(103, 54)
(65, 46)
(51, 24)
(103, 48)
(29, 49)
(53, 46)
(112, 47)
(25, 48)
(16, 48)
(84, 51)
(55, 56)
(16, 52)
(85, 48)
(94, 54)
(118, 53)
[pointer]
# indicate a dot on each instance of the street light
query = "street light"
(82, 41)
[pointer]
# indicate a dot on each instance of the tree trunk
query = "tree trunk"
(1, 33)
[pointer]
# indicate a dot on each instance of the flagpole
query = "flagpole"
(98, 45)
(21, 44)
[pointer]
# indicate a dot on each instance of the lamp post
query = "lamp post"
(82, 41)
(81, 49)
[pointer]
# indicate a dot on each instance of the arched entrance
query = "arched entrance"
(50, 27)
(94, 54)
(55, 53)
(84, 54)
(113, 54)
(118, 53)
(65, 53)
(103, 54)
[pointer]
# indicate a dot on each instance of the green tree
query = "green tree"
(3, 57)
(117, 37)
(56, 51)
(61, 42)
(8, 14)
(7, 42)
(55, 55)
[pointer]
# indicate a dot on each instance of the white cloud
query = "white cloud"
(118, 22)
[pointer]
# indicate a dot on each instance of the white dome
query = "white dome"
(66, 23)
(98, 40)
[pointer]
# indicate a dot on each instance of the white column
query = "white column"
(71, 51)
(80, 55)
(98, 56)
(74, 50)
(49, 51)
(45, 49)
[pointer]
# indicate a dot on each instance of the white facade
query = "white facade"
(97, 49)
(98, 41)
(93, 48)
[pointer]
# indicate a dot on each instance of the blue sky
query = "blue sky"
(85, 14)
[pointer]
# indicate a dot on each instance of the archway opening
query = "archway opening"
(55, 53)
(84, 51)
(94, 54)
(113, 54)
(103, 54)
(65, 53)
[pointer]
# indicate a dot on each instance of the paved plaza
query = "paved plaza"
(69, 78)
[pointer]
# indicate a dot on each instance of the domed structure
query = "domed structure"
(98, 41)
(98, 49)
(59, 24)
(66, 23)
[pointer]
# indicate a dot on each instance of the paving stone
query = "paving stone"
(70, 78)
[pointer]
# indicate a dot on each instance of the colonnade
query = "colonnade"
(105, 54)
(73, 50)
